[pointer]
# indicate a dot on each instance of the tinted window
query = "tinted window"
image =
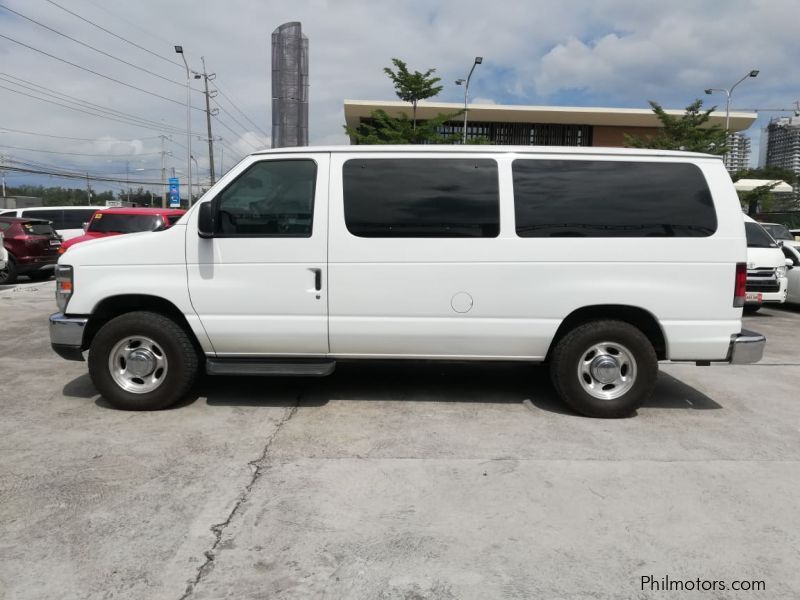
(75, 218)
(757, 237)
(271, 198)
(117, 223)
(421, 197)
(4, 226)
(38, 228)
(777, 231)
(583, 198)
(54, 215)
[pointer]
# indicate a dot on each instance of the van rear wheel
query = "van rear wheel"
(142, 361)
(604, 369)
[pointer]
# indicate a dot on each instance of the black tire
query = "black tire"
(751, 309)
(8, 276)
(573, 350)
(40, 275)
(176, 345)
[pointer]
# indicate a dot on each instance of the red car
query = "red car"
(116, 221)
(33, 247)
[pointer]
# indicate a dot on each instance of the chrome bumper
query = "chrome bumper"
(66, 335)
(746, 348)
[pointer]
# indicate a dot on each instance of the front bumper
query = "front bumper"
(746, 348)
(66, 335)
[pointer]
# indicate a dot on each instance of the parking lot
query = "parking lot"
(395, 482)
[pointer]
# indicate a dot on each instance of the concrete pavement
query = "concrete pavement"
(414, 482)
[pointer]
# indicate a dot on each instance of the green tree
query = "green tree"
(385, 129)
(688, 132)
(413, 87)
(762, 195)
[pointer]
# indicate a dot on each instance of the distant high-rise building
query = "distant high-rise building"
(783, 143)
(738, 155)
(289, 86)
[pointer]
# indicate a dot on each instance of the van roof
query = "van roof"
(490, 149)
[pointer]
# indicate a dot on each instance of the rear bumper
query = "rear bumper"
(746, 348)
(66, 335)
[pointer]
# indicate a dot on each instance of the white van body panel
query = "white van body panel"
(256, 295)
(497, 298)
(147, 263)
(393, 297)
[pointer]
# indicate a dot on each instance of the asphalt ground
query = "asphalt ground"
(413, 481)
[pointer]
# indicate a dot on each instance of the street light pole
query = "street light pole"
(179, 50)
(728, 92)
(478, 60)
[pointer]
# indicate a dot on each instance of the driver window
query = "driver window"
(273, 198)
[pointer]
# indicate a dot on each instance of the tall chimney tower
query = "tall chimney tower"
(289, 86)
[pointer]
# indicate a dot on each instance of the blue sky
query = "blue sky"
(581, 53)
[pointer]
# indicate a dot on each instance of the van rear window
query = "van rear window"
(421, 197)
(590, 198)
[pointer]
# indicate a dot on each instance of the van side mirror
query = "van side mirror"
(206, 217)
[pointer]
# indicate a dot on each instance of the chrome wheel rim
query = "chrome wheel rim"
(607, 370)
(138, 364)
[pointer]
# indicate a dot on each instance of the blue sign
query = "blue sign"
(174, 193)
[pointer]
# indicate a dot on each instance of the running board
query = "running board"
(270, 367)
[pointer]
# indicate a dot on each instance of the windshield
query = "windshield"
(117, 223)
(778, 231)
(757, 237)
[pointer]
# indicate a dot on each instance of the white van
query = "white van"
(766, 268)
(68, 221)
(601, 262)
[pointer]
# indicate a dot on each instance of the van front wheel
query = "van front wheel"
(604, 369)
(142, 361)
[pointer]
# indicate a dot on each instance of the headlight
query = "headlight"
(64, 277)
(780, 272)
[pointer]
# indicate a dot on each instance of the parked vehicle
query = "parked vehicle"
(780, 233)
(117, 221)
(792, 255)
(32, 246)
(600, 262)
(766, 268)
(3, 253)
(68, 221)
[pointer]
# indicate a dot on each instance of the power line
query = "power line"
(126, 122)
(77, 66)
(104, 53)
(82, 176)
(92, 23)
(243, 138)
(235, 120)
(77, 139)
(82, 103)
(78, 153)
(224, 95)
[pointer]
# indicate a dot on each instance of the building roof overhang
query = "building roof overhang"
(355, 110)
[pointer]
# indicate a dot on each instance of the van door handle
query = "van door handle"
(317, 279)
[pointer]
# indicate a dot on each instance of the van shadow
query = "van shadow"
(488, 383)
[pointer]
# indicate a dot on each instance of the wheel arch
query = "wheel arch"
(640, 318)
(114, 306)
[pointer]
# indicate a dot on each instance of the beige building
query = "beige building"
(540, 125)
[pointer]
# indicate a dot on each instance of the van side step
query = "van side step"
(274, 367)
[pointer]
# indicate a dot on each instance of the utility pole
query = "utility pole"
(206, 78)
(88, 191)
(163, 173)
(3, 172)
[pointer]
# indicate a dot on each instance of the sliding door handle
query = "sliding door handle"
(317, 279)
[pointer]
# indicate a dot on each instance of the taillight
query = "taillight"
(740, 286)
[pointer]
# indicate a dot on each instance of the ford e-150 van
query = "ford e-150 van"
(600, 262)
